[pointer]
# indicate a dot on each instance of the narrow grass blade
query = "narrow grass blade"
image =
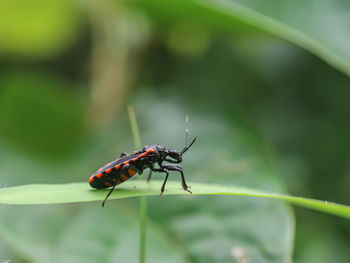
(143, 204)
(81, 192)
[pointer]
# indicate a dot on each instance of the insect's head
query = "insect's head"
(163, 152)
(174, 154)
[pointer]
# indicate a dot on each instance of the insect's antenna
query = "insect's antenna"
(186, 131)
(188, 147)
(186, 139)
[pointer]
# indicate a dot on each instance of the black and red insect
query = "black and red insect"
(126, 166)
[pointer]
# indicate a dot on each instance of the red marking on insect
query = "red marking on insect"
(117, 166)
(108, 170)
(92, 177)
(143, 155)
(99, 175)
(124, 177)
(131, 172)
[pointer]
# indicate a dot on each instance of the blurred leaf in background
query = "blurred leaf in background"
(39, 112)
(39, 28)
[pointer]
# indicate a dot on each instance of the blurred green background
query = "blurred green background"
(265, 83)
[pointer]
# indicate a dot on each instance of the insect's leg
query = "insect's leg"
(124, 154)
(162, 170)
(172, 161)
(179, 169)
(163, 186)
(104, 201)
(151, 169)
(149, 176)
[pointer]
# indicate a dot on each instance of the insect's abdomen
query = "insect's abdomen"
(125, 175)
(119, 171)
(108, 178)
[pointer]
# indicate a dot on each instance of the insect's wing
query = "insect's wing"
(116, 162)
(121, 160)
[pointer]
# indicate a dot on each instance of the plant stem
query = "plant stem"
(143, 204)
(134, 127)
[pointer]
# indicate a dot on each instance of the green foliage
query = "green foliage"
(32, 114)
(269, 114)
(291, 20)
(79, 235)
(39, 28)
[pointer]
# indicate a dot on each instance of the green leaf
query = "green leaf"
(298, 22)
(321, 28)
(80, 192)
(81, 234)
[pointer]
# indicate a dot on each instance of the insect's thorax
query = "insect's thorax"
(147, 161)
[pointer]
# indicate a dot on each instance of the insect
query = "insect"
(120, 170)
